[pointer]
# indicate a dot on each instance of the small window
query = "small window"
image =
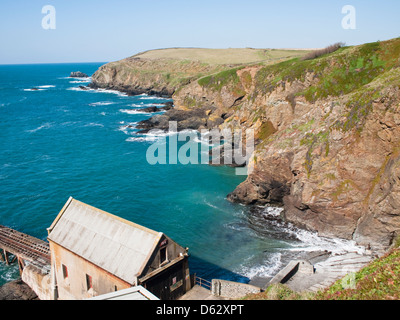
(163, 255)
(65, 271)
(89, 282)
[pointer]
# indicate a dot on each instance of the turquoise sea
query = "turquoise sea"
(61, 141)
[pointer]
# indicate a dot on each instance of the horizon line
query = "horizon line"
(38, 63)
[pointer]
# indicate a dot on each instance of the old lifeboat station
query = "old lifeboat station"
(92, 253)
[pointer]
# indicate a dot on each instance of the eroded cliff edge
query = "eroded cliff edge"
(327, 131)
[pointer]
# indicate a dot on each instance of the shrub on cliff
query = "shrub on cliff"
(317, 53)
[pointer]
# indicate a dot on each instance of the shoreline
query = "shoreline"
(145, 125)
(133, 92)
(148, 93)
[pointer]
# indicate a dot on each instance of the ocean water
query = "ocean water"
(61, 141)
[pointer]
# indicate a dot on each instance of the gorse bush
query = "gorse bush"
(317, 53)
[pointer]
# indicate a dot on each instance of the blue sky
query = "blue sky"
(100, 31)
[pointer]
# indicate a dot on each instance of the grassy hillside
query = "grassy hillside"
(166, 70)
(223, 56)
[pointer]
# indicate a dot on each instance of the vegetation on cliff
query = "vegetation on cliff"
(380, 280)
(327, 128)
(164, 71)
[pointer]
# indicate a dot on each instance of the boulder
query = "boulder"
(17, 290)
(78, 74)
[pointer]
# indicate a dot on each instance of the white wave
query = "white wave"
(160, 133)
(79, 81)
(127, 127)
(76, 89)
(121, 94)
(147, 105)
(132, 111)
(153, 135)
(9, 273)
(46, 86)
(153, 98)
(87, 79)
(102, 113)
(43, 126)
(211, 205)
(273, 211)
(101, 103)
(34, 89)
(93, 124)
(141, 139)
(267, 269)
(311, 241)
(135, 105)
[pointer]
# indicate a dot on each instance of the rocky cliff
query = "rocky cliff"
(137, 75)
(327, 132)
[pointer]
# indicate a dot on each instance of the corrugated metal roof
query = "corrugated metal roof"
(116, 245)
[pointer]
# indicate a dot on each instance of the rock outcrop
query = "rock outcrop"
(17, 290)
(78, 74)
(327, 133)
(136, 76)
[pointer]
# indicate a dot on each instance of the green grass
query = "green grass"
(225, 79)
(220, 80)
(380, 280)
(229, 56)
(338, 73)
(267, 129)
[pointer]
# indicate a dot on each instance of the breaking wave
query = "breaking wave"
(133, 111)
(101, 103)
(46, 125)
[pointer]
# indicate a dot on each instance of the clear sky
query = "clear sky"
(101, 31)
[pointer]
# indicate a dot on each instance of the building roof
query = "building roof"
(134, 293)
(116, 245)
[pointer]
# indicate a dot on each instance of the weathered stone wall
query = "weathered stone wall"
(38, 281)
(232, 290)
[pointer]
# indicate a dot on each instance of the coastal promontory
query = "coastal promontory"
(327, 126)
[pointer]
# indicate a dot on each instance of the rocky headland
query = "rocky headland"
(327, 130)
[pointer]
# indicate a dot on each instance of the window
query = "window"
(163, 255)
(65, 271)
(89, 282)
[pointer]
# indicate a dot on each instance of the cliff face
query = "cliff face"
(327, 133)
(137, 75)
